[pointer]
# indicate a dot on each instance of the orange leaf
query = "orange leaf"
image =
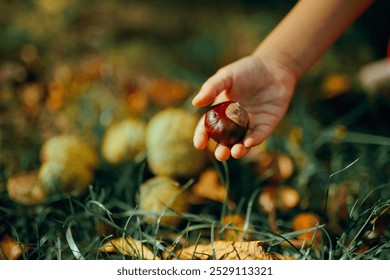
(210, 187)
(235, 229)
(223, 250)
(275, 167)
(307, 220)
(23, 188)
(128, 247)
(10, 248)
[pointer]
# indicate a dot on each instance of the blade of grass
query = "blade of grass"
(328, 184)
(72, 245)
(249, 211)
(225, 204)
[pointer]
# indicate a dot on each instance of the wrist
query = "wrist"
(283, 66)
(280, 59)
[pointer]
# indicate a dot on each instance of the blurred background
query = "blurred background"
(44, 44)
(77, 67)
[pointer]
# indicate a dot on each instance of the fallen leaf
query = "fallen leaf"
(210, 187)
(287, 198)
(275, 167)
(128, 247)
(24, 188)
(235, 227)
(281, 198)
(225, 250)
(303, 221)
(10, 248)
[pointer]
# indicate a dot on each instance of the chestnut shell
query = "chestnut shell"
(227, 123)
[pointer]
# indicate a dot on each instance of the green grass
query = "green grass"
(65, 227)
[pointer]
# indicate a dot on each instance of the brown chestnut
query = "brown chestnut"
(227, 123)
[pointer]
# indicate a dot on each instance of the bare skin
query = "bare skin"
(264, 82)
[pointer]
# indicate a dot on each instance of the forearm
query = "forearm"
(310, 28)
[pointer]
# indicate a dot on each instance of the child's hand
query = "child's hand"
(263, 87)
(263, 83)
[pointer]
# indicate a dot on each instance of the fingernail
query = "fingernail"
(197, 143)
(195, 100)
(247, 143)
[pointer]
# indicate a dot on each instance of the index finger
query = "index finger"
(216, 84)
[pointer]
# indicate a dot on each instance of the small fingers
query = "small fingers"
(254, 139)
(222, 153)
(239, 150)
(200, 136)
(201, 139)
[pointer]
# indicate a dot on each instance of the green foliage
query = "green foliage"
(345, 139)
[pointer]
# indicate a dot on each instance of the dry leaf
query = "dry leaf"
(24, 188)
(210, 187)
(235, 230)
(305, 221)
(128, 247)
(287, 198)
(11, 249)
(222, 250)
(273, 198)
(275, 167)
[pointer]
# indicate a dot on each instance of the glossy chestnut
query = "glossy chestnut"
(227, 123)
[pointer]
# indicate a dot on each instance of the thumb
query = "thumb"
(220, 81)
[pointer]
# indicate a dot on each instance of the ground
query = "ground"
(317, 189)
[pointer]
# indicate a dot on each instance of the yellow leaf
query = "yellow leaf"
(222, 250)
(128, 247)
